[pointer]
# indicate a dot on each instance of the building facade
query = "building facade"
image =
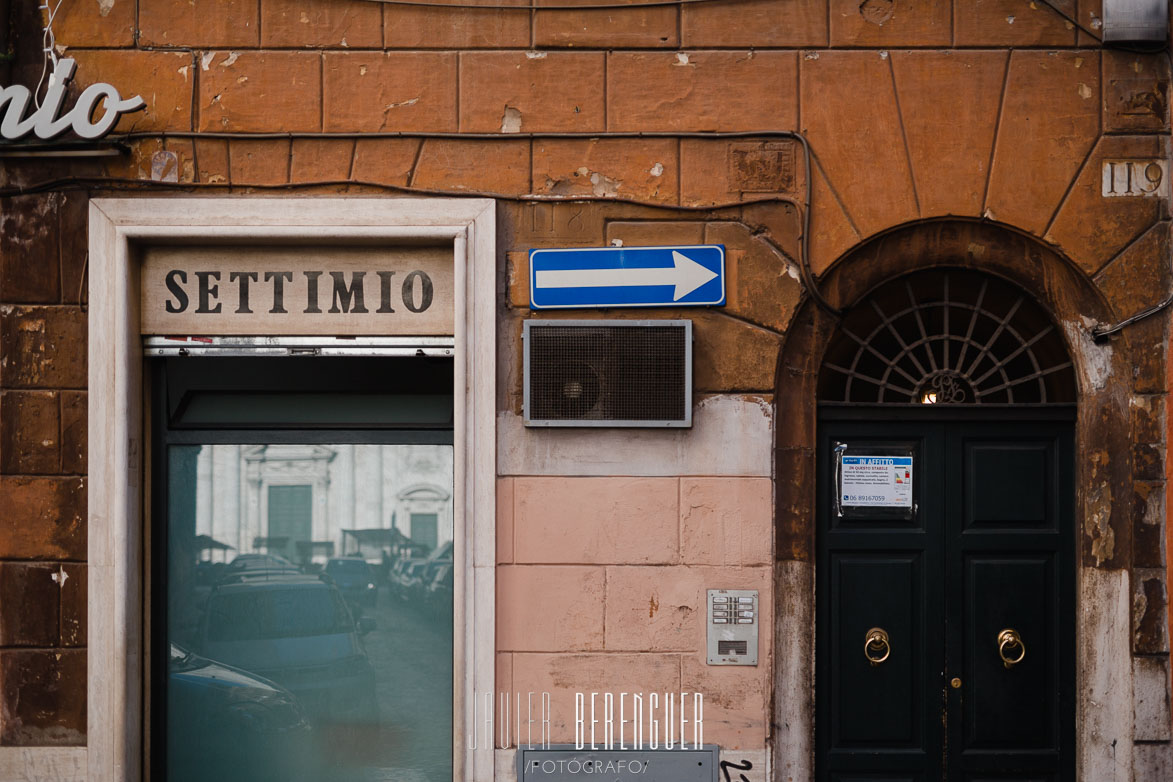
(944, 232)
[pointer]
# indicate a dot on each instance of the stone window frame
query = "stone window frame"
(116, 667)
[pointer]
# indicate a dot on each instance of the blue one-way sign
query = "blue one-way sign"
(690, 276)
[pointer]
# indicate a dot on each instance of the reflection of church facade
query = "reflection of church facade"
(309, 502)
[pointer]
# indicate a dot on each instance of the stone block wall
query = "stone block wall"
(608, 591)
(42, 471)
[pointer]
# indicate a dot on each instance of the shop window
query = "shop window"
(281, 661)
(139, 433)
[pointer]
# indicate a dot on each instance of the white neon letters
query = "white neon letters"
(47, 122)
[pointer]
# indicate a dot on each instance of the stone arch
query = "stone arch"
(1104, 440)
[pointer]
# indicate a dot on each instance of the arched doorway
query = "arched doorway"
(945, 544)
(1106, 434)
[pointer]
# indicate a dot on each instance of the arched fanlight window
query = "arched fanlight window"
(947, 336)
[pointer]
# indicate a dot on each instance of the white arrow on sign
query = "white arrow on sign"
(686, 275)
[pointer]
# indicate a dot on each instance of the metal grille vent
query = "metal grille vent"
(732, 647)
(608, 373)
(947, 337)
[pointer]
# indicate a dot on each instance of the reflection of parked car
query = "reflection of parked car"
(427, 574)
(434, 566)
(208, 573)
(438, 595)
(353, 577)
(186, 616)
(245, 576)
(299, 632)
(229, 725)
(257, 562)
(404, 574)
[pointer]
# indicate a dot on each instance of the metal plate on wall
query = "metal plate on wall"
(564, 763)
(732, 627)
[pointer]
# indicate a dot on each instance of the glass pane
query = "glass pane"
(309, 595)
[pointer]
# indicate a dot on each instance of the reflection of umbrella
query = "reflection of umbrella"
(205, 543)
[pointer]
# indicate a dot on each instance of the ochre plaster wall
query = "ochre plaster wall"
(993, 110)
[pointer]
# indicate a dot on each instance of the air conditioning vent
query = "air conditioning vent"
(608, 373)
(1135, 21)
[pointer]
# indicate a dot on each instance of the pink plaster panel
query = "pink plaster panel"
(544, 608)
(662, 608)
(503, 675)
(564, 675)
(504, 520)
(726, 521)
(596, 520)
(736, 699)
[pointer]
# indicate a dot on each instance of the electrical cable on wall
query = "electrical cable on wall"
(48, 49)
(809, 281)
(1101, 333)
(803, 261)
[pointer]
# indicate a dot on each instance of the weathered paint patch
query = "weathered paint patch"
(794, 660)
(604, 186)
(1105, 671)
(1093, 361)
(25, 764)
(1150, 686)
(511, 120)
(877, 12)
(1149, 618)
(718, 420)
(1098, 507)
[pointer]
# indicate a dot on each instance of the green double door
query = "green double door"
(945, 626)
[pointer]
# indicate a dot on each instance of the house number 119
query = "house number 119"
(1135, 178)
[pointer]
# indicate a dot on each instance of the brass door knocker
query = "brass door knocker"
(1008, 641)
(875, 646)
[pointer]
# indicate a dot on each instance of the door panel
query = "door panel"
(989, 546)
(885, 592)
(1009, 707)
(878, 722)
(1010, 547)
(1008, 484)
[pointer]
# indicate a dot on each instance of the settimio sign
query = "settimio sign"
(48, 121)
